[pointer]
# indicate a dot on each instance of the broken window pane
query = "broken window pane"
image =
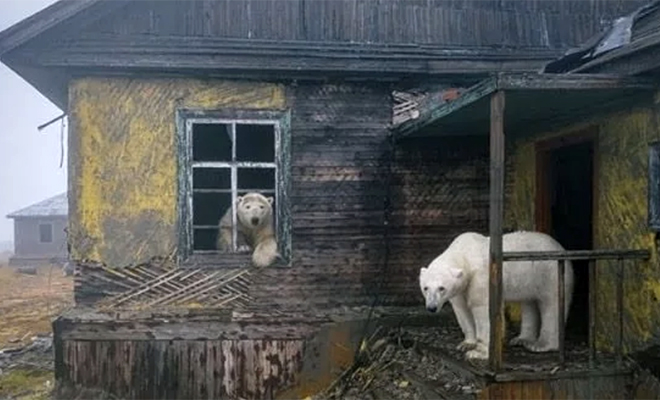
(212, 178)
(212, 184)
(256, 178)
(205, 239)
(208, 208)
(255, 143)
(211, 142)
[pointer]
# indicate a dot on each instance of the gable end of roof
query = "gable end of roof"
(41, 21)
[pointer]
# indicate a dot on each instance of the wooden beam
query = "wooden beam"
(432, 111)
(495, 298)
(571, 82)
(473, 104)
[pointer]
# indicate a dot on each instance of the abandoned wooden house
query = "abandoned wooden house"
(40, 232)
(368, 123)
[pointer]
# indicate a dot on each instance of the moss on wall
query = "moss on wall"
(123, 161)
(620, 218)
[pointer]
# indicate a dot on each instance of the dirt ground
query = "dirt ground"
(27, 305)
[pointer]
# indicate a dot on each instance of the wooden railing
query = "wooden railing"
(592, 256)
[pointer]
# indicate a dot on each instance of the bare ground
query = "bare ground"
(27, 305)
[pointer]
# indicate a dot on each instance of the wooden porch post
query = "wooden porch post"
(496, 211)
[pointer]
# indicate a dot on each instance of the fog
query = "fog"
(30, 160)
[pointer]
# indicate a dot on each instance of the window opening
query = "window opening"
(45, 233)
(229, 159)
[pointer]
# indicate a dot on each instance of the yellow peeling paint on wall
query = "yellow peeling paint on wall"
(123, 160)
(620, 220)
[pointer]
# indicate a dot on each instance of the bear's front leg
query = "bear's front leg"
(465, 321)
(482, 325)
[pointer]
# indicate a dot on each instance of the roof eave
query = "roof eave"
(432, 113)
(34, 25)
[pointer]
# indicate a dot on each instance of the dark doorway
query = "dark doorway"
(565, 211)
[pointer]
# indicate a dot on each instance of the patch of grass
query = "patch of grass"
(23, 384)
(29, 302)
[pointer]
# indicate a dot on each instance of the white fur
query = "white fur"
(255, 229)
(460, 275)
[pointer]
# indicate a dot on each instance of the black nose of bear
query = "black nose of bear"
(432, 309)
(255, 221)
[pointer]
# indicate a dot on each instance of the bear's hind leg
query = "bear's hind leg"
(529, 325)
(548, 336)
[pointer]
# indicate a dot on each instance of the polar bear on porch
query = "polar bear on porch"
(460, 275)
(254, 217)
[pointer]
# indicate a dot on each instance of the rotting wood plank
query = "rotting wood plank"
(496, 210)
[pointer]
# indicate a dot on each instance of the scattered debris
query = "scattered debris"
(394, 366)
(36, 355)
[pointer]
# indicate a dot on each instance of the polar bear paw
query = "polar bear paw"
(480, 352)
(521, 341)
(467, 344)
(243, 248)
(540, 346)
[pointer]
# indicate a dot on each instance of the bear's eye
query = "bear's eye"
(441, 288)
(247, 207)
(261, 207)
(426, 288)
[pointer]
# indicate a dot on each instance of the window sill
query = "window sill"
(224, 261)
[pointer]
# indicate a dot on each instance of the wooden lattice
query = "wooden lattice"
(163, 285)
(405, 106)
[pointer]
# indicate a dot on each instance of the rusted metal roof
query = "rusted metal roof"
(533, 102)
(51, 207)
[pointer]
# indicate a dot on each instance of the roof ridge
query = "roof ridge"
(60, 207)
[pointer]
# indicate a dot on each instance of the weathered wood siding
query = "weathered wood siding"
(123, 213)
(123, 160)
(440, 189)
(620, 219)
(26, 240)
(524, 23)
(176, 369)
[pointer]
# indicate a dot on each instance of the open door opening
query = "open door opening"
(565, 198)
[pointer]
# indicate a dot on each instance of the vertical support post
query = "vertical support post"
(234, 189)
(592, 323)
(619, 312)
(495, 299)
(592, 313)
(560, 313)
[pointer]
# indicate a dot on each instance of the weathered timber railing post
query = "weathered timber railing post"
(592, 313)
(561, 295)
(592, 256)
(619, 311)
(495, 299)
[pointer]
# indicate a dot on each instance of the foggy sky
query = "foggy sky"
(29, 168)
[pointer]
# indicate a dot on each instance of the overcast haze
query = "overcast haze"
(30, 159)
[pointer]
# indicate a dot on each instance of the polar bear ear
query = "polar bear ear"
(457, 273)
(422, 270)
(239, 199)
(270, 200)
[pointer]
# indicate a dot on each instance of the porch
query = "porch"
(533, 106)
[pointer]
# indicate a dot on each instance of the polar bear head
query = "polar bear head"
(254, 210)
(439, 283)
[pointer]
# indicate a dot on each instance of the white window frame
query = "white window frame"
(233, 166)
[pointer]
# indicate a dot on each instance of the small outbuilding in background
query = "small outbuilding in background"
(39, 232)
